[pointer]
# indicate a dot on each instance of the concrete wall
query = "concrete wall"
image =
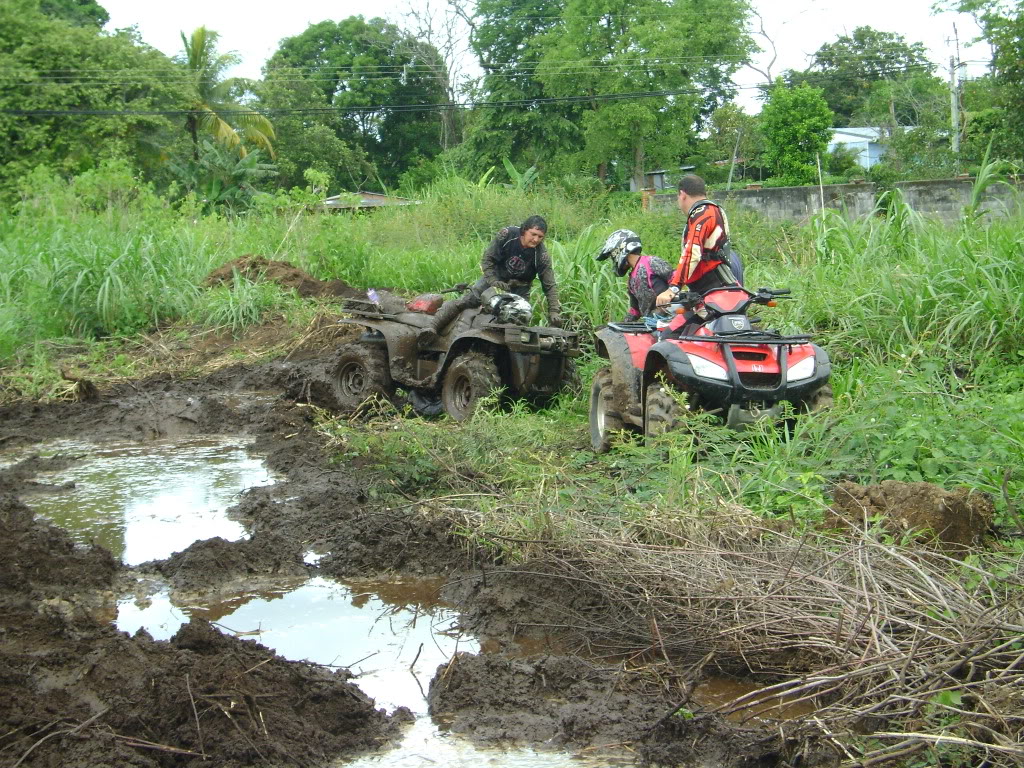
(944, 199)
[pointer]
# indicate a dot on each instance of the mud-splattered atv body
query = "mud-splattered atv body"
(710, 350)
(472, 357)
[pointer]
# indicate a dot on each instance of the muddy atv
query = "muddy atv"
(471, 358)
(709, 349)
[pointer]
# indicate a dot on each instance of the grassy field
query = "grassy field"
(923, 323)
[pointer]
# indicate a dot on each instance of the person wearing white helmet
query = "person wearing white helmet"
(648, 276)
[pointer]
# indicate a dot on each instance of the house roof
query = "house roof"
(367, 200)
(860, 133)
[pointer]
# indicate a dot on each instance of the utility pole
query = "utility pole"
(735, 152)
(954, 103)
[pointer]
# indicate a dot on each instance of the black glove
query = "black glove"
(555, 320)
(500, 285)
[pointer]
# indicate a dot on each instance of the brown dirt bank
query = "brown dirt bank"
(76, 692)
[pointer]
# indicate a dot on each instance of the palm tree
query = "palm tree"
(215, 108)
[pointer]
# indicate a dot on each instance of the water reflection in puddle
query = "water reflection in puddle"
(147, 501)
(392, 636)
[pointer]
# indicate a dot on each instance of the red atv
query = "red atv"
(709, 349)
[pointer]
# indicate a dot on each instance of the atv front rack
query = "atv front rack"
(746, 339)
(740, 337)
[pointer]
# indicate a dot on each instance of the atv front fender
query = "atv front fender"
(626, 377)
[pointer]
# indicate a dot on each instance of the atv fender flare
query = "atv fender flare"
(392, 341)
(625, 376)
(467, 342)
(668, 357)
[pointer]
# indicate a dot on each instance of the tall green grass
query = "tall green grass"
(101, 254)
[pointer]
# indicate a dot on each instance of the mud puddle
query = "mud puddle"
(146, 501)
(392, 636)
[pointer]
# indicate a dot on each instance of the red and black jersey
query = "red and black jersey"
(704, 241)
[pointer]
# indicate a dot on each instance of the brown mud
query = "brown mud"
(74, 691)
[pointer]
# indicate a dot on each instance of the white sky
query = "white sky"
(798, 27)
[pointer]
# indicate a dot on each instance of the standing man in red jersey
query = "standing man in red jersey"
(707, 261)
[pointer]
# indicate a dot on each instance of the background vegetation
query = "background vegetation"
(598, 91)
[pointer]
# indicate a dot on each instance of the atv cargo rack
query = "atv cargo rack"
(740, 337)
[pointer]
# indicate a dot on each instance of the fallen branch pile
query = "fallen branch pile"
(918, 649)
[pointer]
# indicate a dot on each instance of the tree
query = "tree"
(610, 51)
(995, 116)
(308, 134)
(847, 69)
(48, 89)
(214, 106)
(382, 82)
(80, 13)
(796, 124)
(515, 120)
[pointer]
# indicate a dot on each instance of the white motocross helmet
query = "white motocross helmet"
(509, 308)
(618, 246)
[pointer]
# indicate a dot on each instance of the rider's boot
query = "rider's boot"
(429, 335)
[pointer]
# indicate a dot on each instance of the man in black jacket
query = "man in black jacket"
(514, 258)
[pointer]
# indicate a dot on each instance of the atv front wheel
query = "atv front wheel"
(663, 412)
(470, 377)
(605, 412)
(820, 400)
(360, 374)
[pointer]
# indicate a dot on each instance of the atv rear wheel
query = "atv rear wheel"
(663, 412)
(361, 373)
(605, 412)
(470, 377)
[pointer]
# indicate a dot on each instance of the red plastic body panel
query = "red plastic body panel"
(428, 303)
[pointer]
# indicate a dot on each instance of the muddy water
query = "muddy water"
(145, 502)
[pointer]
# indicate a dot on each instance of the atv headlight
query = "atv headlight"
(802, 370)
(707, 369)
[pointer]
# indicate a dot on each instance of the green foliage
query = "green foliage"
(520, 181)
(220, 179)
(81, 13)
(33, 47)
(213, 101)
(796, 124)
(609, 48)
(848, 69)
(355, 65)
(507, 40)
(310, 140)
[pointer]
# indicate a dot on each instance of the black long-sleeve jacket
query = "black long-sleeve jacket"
(506, 260)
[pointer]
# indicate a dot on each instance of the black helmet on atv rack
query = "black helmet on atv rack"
(618, 246)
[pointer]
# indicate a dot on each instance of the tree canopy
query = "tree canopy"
(644, 92)
(213, 100)
(379, 79)
(847, 69)
(50, 95)
(797, 125)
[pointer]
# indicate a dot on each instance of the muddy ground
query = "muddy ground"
(74, 691)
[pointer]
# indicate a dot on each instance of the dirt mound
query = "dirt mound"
(959, 518)
(214, 564)
(257, 268)
(76, 692)
(566, 701)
